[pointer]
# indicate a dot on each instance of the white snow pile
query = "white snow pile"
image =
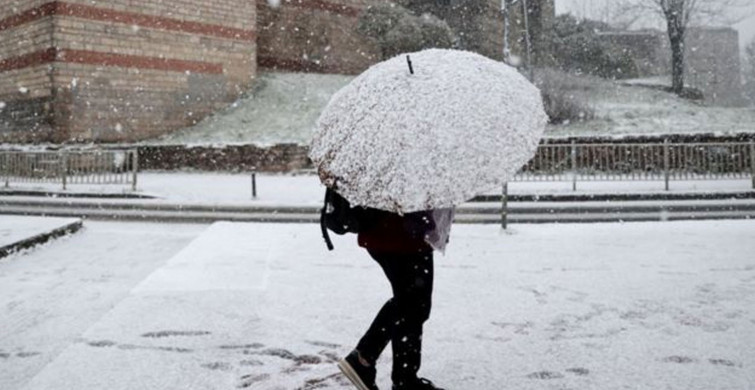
(461, 124)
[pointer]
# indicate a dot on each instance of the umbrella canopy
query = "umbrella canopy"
(400, 141)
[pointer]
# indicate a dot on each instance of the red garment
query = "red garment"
(394, 234)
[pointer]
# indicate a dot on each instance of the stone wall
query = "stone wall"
(291, 157)
(119, 70)
(713, 65)
(314, 36)
(234, 158)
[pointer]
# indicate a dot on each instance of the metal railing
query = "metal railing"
(70, 167)
(644, 162)
(553, 162)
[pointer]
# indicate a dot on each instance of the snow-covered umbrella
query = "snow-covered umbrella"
(427, 130)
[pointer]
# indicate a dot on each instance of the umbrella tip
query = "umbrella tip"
(409, 61)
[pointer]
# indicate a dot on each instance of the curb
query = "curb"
(40, 239)
(600, 197)
(553, 212)
(619, 197)
(87, 195)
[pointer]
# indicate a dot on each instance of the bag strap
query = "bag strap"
(323, 228)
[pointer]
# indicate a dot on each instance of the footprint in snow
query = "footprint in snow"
(578, 371)
(724, 362)
(175, 333)
(679, 359)
(248, 380)
(545, 375)
(217, 366)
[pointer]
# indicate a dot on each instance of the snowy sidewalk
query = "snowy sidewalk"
(266, 306)
(306, 190)
(210, 197)
(17, 233)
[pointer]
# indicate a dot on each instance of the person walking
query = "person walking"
(428, 130)
(403, 247)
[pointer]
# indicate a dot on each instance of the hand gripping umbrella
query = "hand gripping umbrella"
(429, 134)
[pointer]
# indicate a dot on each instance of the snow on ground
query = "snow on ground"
(16, 228)
(306, 190)
(625, 109)
(50, 295)
(283, 108)
(658, 81)
(266, 306)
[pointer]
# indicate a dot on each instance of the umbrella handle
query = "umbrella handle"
(409, 61)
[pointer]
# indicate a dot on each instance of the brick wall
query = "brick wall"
(120, 70)
(25, 85)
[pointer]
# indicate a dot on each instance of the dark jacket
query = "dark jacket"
(390, 232)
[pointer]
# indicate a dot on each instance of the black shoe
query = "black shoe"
(418, 384)
(361, 376)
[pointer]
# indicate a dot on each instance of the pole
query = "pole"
(506, 27)
(574, 165)
(7, 168)
(752, 162)
(666, 162)
(135, 167)
(527, 40)
(64, 168)
(505, 206)
(254, 185)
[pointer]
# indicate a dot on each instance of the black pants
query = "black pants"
(401, 318)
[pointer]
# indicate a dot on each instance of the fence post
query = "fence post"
(505, 206)
(8, 169)
(254, 185)
(64, 168)
(752, 162)
(574, 165)
(666, 162)
(135, 167)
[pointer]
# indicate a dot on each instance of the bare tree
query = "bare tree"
(677, 15)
